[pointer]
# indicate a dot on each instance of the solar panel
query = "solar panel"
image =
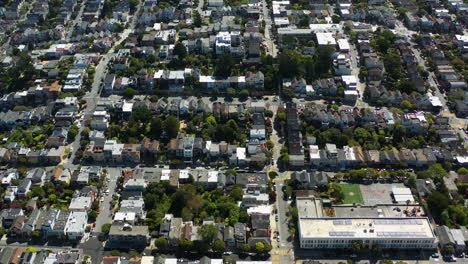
(342, 222)
(398, 222)
(341, 234)
(401, 234)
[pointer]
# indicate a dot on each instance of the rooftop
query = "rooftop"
(366, 227)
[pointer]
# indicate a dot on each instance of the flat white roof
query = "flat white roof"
(261, 209)
(314, 152)
(165, 175)
(213, 176)
(325, 39)
(343, 44)
(325, 27)
(127, 107)
(80, 203)
(184, 174)
(281, 20)
(240, 153)
(76, 222)
(351, 92)
(127, 216)
(349, 79)
(401, 191)
(363, 228)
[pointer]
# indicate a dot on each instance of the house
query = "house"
(58, 231)
(30, 223)
(37, 175)
(128, 236)
(24, 188)
(71, 256)
(425, 187)
(215, 3)
(229, 238)
(17, 226)
(125, 217)
(342, 64)
(80, 204)
(49, 222)
(134, 205)
(255, 80)
(240, 233)
(451, 237)
(10, 215)
(75, 226)
(310, 180)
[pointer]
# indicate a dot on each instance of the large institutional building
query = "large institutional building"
(318, 231)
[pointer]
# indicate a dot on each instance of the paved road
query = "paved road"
(355, 71)
(91, 100)
(284, 252)
(269, 38)
(105, 214)
(93, 248)
(200, 7)
(75, 21)
(92, 96)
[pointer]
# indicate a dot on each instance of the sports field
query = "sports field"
(352, 194)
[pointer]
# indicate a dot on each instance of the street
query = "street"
(105, 214)
(283, 250)
(77, 20)
(270, 45)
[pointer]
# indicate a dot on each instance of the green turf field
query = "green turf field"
(352, 194)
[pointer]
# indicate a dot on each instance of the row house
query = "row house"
(332, 158)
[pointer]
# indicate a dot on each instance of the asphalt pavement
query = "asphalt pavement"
(105, 213)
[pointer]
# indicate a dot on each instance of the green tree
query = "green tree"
(236, 193)
(219, 246)
(105, 228)
(31, 249)
(224, 65)
(129, 92)
(115, 253)
(384, 41)
(197, 19)
(336, 192)
(462, 171)
(156, 127)
(171, 126)
(245, 248)
(133, 4)
(323, 60)
(437, 203)
(259, 247)
(272, 174)
(448, 250)
(290, 64)
(208, 233)
(161, 243)
(357, 246)
(270, 144)
(185, 245)
(180, 50)
(230, 92)
(244, 93)
(92, 215)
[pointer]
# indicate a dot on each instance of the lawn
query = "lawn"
(352, 194)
